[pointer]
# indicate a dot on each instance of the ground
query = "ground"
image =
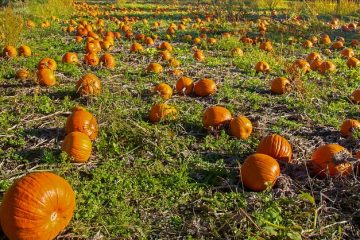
(175, 179)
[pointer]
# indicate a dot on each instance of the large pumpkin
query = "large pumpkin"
(240, 127)
(78, 146)
(82, 121)
(204, 87)
(276, 146)
(37, 206)
(215, 116)
(328, 160)
(89, 84)
(259, 171)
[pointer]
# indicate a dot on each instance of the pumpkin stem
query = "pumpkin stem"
(53, 216)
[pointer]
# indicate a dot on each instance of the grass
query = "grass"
(174, 179)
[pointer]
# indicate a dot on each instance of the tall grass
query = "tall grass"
(48, 8)
(11, 26)
(329, 7)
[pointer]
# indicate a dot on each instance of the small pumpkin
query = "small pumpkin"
(22, 74)
(165, 46)
(154, 68)
(71, 58)
(136, 47)
(78, 146)
(259, 171)
(204, 87)
(9, 52)
(237, 52)
(327, 67)
(353, 62)
(24, 51)
(88, 85)
(173, 62)
(46, 77)
(325, 39)
(338, 45)
(108, 60)
(164, 90)
(211, 41)
(313, 56)
(276, 146)
(241, 127)
(280, 85)
(37, 206)
(329, 160)
(307, 44)
(262, 66)
(184, 86)
(165, 55)
(347, 53)
(315, 64)
(266, 46)
(300, 65)
(149, 41)
(348, 126)
(355, 96)
(215, 116)
(199, 55)
(83, 121)
(48, 63)
(161, 111)
(91, 59)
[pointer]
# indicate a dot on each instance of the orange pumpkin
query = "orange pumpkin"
(165, 55)
(91, 59)
(184, 86)
(313, 56)
(48, 63)
(149, 41)
(237, 52)
(240, 127)
(88, 85)
(215, 116)
(353, 62)
(348, 126)
(355, 96)
(327, 67)
(347, 53)
(165, 46)
(154, 68)
(93, 46)
(161, 111)
(78, 146)
(275, 146)
(24, 51)
(22, 74)
(9, 52)
(70, 58)
(262, 66)
(108, 60)
(37, 206)
(266, 46)
(199, 55)
(328, 160)
(307, 44)
(204, 87)
(173, 62)
(315, 64)
(337, 45)
(81, 120)
(46, 77)
(300, 65)
(325, 39)
(259, 171)
(164, 90)
(280, 85)
(136, 47)
(211, 40)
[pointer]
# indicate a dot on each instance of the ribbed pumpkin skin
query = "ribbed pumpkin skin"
(204, 87)
(259, 170)
(47, 63)
(161, 111)
(215, 116)
(89, 84)
(82, 121)
(108, 60)
(348, 126)
(323, 161)
(38, 206)
(24, 51)
(275, 146)
(240, 127)
(78, 146)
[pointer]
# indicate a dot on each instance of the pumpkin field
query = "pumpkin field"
(203, 119)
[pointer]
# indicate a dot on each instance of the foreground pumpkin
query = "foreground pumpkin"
(9, 52)
(330, 159)
(46, 77)
(161, 111)
(204, 87)
(81, 120)
(215, 116)
(24, 51)
(78, 146)
(48, 63)
(154, 68)
(37, 206)
(280, 85)
(259, 171)
(89, 84)
(240, 127)
(355, 96)
(184, 86)
(348, 127)
(275, 146)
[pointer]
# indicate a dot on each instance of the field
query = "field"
(176, 178)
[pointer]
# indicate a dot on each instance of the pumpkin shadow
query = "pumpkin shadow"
(62, 94)
(46, 133)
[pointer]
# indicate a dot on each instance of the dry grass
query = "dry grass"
(11, 26)
(346, 8)
(59, 8)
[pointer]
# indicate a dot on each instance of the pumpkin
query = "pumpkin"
(30, 24)
(9, 52)
(91, 59)
(93, 46)
(165, 46)
(88, 85)
(307, 44)
(211, 40)
(78, 39)
(353, 62)
(215, 116)
(149, 41)
(154, 68)
(347, 53)
(22, 74)
(161, 111)
(46, 77)
(48, 63)
(106, 45)
(78, 146)
(247, 40)
(165, 55)
(204, 87)
(300, 65)
(275, 146)
(108, 60)
(262, 66)
(325, 39)
(164, 90)
(199, 55)
(81, 120)
(355, 43)
(314, 39)
(259, 171)
(197, 40)
(237, 52)
(328, 160)
(348, 126)
(266, 46)
(240, 127)
(176, 72)
(337, 45)
(327, 67)
(70, 58)
(136, 47)
(315, 64)
(355, 96)
(184, 86)
(173, 62)
(24, 51)
(37, 206)
(280, 85)
(313, 56)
